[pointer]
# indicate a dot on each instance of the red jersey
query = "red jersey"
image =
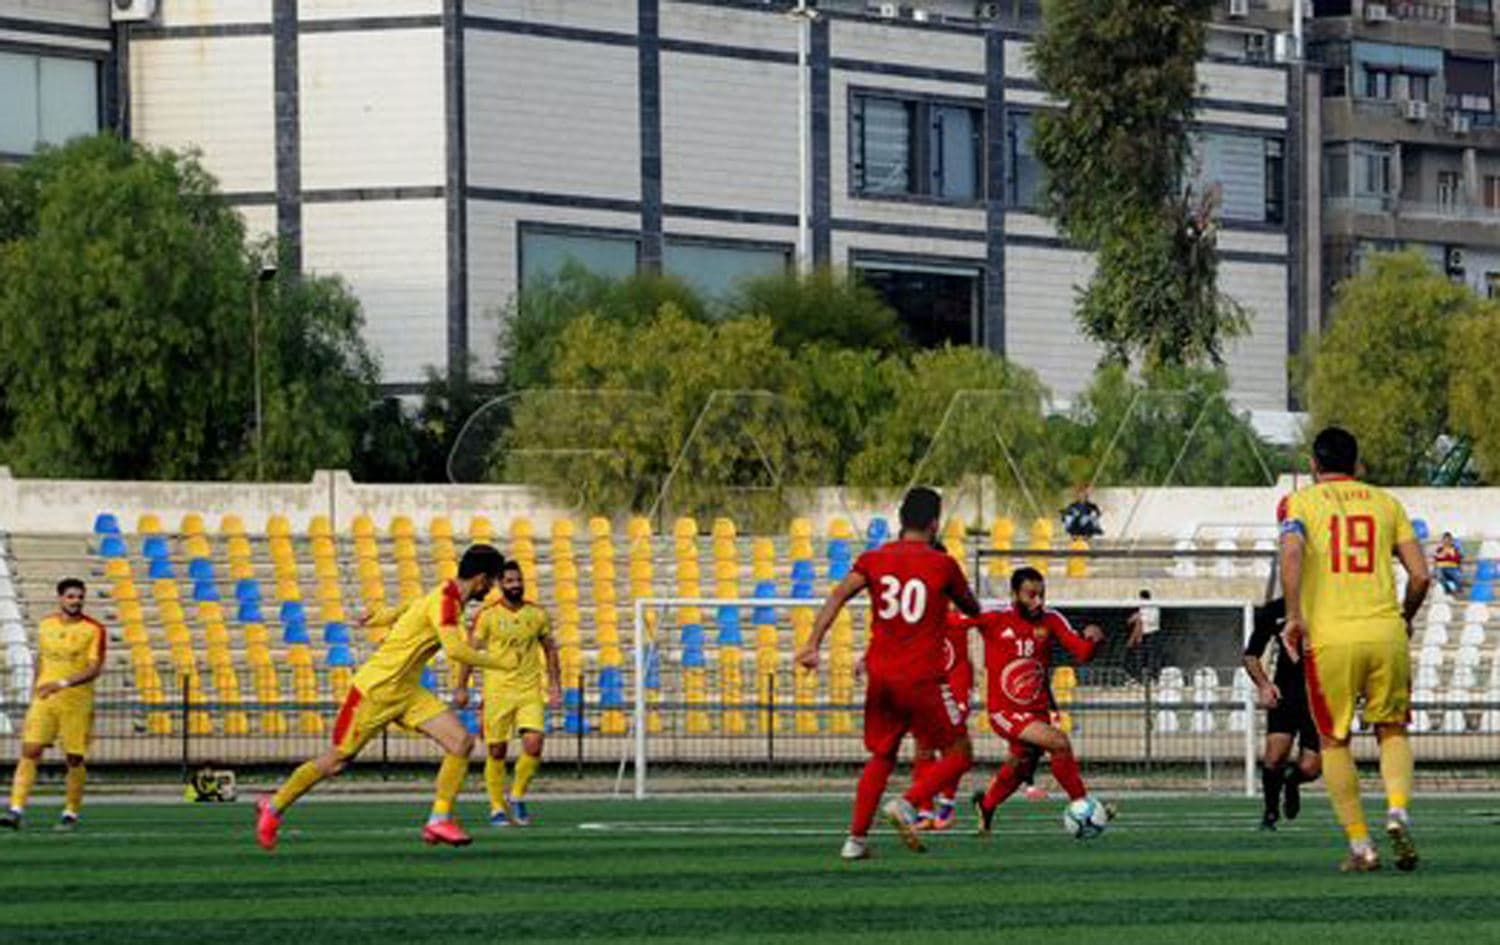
(1018, 656)
(960, 671)
(912, 586)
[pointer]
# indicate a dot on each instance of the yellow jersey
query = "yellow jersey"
(68, 647)
(422, 627)
(517, 636)
(1350, 531)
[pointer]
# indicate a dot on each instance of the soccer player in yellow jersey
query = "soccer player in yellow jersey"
(518, 629)
(388, 689)
(1337, 540)
(70, 650)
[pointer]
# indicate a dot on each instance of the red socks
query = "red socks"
(1006, 780)
(1065, 770)
(867, 796)
(951, 767)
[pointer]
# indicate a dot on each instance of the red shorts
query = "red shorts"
(925, 709)
(1010, 723)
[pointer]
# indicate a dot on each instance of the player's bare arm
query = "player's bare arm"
(1267, 695)
(456, 645)
(554, 671)
(851, 585)
(1418, 580)
(465, 671)
(1295, 629)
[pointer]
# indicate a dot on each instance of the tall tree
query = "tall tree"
(1474, 388)
(1115, 152)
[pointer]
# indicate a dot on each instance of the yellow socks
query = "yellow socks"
(1342, 779)
(299, 783)
(526, 767)
(1396, 766)
(20, 787)
(77, 775)
(494, 781)
(450, 779)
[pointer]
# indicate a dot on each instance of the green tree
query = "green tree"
(848, 394)
(1382, 369)
(1115, 154)
(821, 307)
(125, 327)
(1474, 389)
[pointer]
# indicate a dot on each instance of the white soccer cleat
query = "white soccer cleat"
(855, 848)
(903, 817)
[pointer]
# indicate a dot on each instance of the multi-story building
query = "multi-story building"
(442, 154)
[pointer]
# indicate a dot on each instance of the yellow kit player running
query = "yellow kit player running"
(517, 629)
(1337, 540)
(388, 689)
(70, 651)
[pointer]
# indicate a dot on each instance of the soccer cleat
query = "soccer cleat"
(1111, 811)
(67, 823)
(518, 813)
(855, 848)
(1268, 822)
(499, 818)
(983, 818)
(11, 819)
(944, 816)
(447, 832)
(1293, 803)
(924, 820)
(1360, 861)
(267, 823)
(902, 816)
(1398, 828)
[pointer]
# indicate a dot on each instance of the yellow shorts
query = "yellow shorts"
(1340, 674)
(66, 718)
(506, 716)
(361, 718)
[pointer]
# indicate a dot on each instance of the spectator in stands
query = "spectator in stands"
(1143, 647)
(1449, 561)
(1081, 519)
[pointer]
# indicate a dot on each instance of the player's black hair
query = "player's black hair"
(1336, 450)
(1021, 575)
(68, 584)
(921, 508)
(1145, 594)
(481, 559)
(511, 564)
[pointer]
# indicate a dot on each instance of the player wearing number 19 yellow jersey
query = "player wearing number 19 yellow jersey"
(1338, 537)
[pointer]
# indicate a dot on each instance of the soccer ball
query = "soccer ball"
(1085, 818)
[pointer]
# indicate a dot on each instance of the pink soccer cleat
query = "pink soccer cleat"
(445, 831)
(267, 823)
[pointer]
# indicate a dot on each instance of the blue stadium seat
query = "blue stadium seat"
(294, 633)
(803, 590)
(336, 632)
(838, 570)
(612, 699)
(572, 697)
(205, 591)
(155, 546)
(692, 635)
(1419, 525)
(653, 670)
(1488, 570)
(471, 721)
(161, 570)
(878, 533)
(573, 719)
(340, 655)
(1483, 592)
(611, 677)
(113, 546)
(201, 569)
(729, 627)
(694, 657)
(839, 550)
(293, 612)
(105, 523)
(249, 612)
(803, 571)
(764, 615)
(247, 589)
(429, 678)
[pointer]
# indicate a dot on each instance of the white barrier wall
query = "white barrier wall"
(43, 506)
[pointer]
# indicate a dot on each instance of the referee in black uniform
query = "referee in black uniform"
(1288, 718)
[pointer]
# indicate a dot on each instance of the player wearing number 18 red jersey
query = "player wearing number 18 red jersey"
(1017, 660)
(912, 586)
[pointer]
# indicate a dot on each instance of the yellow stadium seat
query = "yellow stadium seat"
(363, 527)
(366, 549)
(197, 546)
(231, 525)
(409, 590)
(299, 655)
(281, 551)
(404, 549)
(288, 590)
(640, 570)
(319, 526)
(724, 549)
(332, 612)
(401, 527)
(148, 524)
(131, 611)
(563, 529)
(277, 526)
(639, 527)
(256, 633)
(330, 590)
(604, 569)
(368, 570)
(407, 571)
(481, 530)
(219, 659)
(177, 634)
(566, 570)
(840, 528)
(124, 589)
(440, 527)
(800, 549)
(116, 568)
(372, 591)
(567, 593)
(800, 528)
(164, 589)
(216, 635)
(685, 549)
(240, 570)
(599, 527)
(210, 611)
(238, 548)
(323, 548)
(170, 611)
(446, 570)
(258, 654)
(135, 634)
(1042, 529)
(521, 528)
(1078, 566)
(326, 569)
(442, 550)
(725, 571)
(724, 528)
(685, 528)
(192, 524)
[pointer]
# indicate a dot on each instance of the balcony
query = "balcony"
(1435, 12)
(1448, 212)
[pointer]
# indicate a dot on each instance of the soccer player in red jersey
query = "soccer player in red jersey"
(936, 812)
(912, 586)
(1017, 659)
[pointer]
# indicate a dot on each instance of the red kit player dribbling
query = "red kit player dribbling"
(912, 586)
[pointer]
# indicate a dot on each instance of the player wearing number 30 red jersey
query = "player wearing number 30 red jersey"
(912, 586)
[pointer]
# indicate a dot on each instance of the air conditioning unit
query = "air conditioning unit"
(1414, 109)
(1460, 122)
(1377, 13)
(988, 11)
(1239, 9)
(1455, 259)
(132, 11)
(920, 15)
(887, 11)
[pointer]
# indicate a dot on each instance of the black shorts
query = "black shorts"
(1293, 717)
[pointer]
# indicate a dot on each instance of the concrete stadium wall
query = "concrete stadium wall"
(1153, 516)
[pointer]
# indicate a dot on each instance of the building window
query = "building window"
(1248, 172)
(1275, 181)
(1336, 171)
(1470, 87)
(1492, 285)
(46, 100)
(1024, 187)
(545, 252)
(1450, 187)
(904, 147)
(1372, 170)
(937, 303)
(717, 269)
(1492, 192)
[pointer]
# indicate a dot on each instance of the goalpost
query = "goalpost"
(715, 694)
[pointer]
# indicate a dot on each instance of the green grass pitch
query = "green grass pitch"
(738, 870)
